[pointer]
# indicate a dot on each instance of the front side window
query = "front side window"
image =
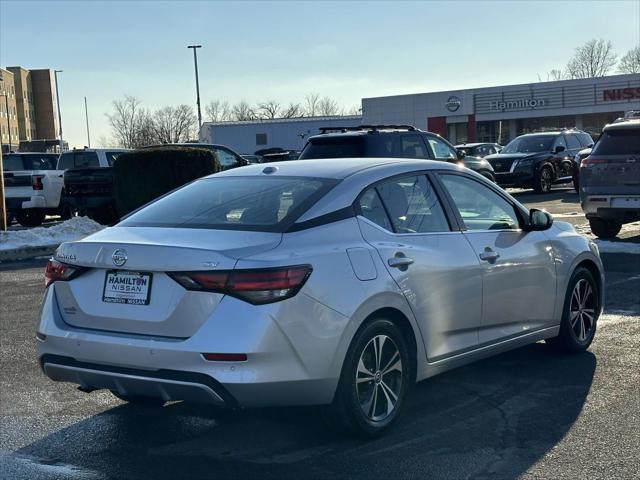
(111, 157)
(265, 204)
(573, 142)
(560, 143)
(411, 204)
(441, 150)
(226, 159)
(480, 207)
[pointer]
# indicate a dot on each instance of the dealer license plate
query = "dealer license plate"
(133, 288)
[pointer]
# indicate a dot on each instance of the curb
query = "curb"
(25, 253)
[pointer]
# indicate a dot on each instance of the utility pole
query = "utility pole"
(6, 106)
(86, 116)
(3, 212)
(195, 62)
(55, 72)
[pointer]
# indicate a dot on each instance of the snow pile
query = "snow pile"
(613, 246)
(73, 229)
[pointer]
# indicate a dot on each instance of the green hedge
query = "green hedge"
(143, 175)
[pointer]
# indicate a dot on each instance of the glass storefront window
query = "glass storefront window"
(592, 123)
(529, 125)
(494, 132)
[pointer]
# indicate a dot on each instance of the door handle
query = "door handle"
(489, 255)
(400, 261)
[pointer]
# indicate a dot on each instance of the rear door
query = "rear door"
(432, 263)
(518, 269)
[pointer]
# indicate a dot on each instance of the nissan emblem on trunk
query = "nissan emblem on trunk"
(119, 257)
(453, 103)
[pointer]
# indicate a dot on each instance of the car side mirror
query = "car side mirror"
(559, 149)
(461, 154)
(538, 220)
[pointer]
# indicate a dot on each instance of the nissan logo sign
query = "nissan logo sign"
(119, 257)
(453, 103)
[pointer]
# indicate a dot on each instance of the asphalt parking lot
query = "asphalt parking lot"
(529, 413)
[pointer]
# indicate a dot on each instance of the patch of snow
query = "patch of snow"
(566, 215)
(67, 231)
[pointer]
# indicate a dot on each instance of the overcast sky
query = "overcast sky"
(282, 50)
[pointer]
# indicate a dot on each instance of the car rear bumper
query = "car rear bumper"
(20, 203)
(611, 206)
(274, 374)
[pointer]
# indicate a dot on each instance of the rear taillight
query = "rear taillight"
(60, 271)
(36, 182)
(590, 162)
(260, 286)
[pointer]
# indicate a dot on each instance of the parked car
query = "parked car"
(539, 160)
(395, 141)
(610, 179)
(577, 161)
(89, 186)
(314, 282)
(33, 187)
(479, 149)
(250, 158)
(88, 180)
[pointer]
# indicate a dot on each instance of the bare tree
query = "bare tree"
(593, 59)
(269, 109)
(173, 124)
(354, 110)
(130, 123)
(630, 62)
(328, 106)
(242, 111)
(311, 101)
(294, 110)
(217, 111)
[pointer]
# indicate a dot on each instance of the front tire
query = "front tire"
(602, 228)
(543, 180)
(30, 217)
(375, 379)
(580, 313)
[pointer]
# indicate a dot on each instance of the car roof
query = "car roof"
(622, 125)
(477, 144)
(335, 168)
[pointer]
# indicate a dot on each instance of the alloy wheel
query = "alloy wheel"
(582, 310)
(379, 378)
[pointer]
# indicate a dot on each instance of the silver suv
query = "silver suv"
(610, 178)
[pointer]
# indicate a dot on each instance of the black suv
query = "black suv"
(539, 160)
(393, 141)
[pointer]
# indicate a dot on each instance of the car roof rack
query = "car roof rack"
(374, 128)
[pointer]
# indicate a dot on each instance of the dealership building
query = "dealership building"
(490, 114)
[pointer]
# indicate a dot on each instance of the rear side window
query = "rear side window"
(342, 147)
(268, 204)
(410, 202)
(618, 142)
(12, 163)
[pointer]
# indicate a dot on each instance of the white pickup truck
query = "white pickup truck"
(33, 187)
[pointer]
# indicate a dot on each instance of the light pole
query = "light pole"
(55, 72)
(86, 116)
(195, 62)
(6, 106)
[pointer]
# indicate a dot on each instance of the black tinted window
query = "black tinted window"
(573, 143)
(233, 203)
(66, 161)
(618, 142)
(413, 205)
(341, 147)
(111, 157)
(78, 159)
(413, 147)
(11, 163)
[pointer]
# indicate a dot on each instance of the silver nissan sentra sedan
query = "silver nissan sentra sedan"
(337, 282)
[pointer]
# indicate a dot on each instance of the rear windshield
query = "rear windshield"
(78, 159)
(268, 204)
(341, 147)
(530, 144)
(13, 162)
(618, 142)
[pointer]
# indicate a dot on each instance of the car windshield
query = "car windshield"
(267, 204)
(530, 144)
(618, 142)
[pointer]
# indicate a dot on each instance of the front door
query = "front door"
(434, 267)
(519, 281)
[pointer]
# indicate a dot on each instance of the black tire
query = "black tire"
(103, 217)
(353, 397)
(602, 228)
(543, 179)
(65, 211)
(30, 217)
(576, 185)
(488, 175)
(139, 401)
(577, 331)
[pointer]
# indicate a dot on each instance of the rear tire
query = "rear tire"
(374, 380)
(139, 401)
(543, 179)
(30, 217)
(580, 314)
(602, 228)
